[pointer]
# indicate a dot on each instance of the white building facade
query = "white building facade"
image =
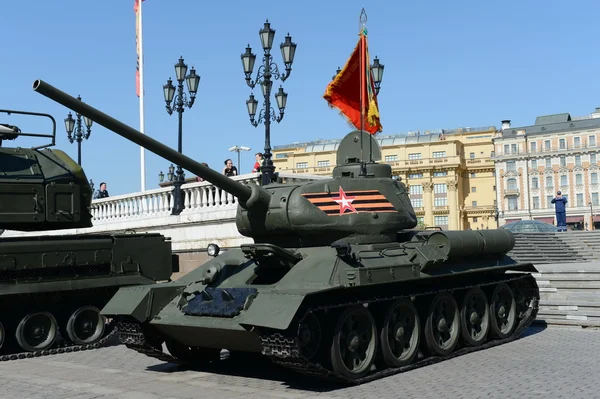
(557, 153)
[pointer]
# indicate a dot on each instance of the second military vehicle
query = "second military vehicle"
(52, 287)
(337, 284)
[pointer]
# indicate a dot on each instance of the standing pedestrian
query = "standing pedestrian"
(560, 205)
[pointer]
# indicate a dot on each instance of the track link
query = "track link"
(64, 347)
(284, 350)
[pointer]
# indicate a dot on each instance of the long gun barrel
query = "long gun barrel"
(247, 195)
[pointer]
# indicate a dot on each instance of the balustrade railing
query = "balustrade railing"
(198, 196)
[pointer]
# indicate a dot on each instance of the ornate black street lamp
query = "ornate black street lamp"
(75, 124)
(180, 101)
(170, 175)
(377, 69)
(266, 72)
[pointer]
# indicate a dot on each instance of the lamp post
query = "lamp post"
(170, 174)
(266, 72)
(239, 149)
(377, 70)
(180, 102)
(75, 124)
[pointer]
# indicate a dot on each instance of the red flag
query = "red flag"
(353, 89)
(136, 4)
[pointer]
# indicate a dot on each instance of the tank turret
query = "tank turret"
(40, 188)
(361, 203)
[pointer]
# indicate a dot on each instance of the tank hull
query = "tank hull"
(53, 287)
(268, 318)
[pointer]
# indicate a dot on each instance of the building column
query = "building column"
(428, 203)
(452, 204)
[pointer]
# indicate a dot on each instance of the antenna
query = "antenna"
(362, 31)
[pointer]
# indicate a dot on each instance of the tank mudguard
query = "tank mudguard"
(271, 310)
(141, 302)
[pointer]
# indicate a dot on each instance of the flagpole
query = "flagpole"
(363, 21)
(142, 127)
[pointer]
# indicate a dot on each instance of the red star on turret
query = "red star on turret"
(345, 202)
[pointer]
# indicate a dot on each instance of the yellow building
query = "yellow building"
(449, 173)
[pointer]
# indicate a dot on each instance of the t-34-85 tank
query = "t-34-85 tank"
(52, 287)
(335, 285)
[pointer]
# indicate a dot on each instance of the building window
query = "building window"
(594, 178)
(534, 164)
(548, 163)
(415, 175)
(593, 159)
(563, 181)
(577, 142)
(562, 144)
(592, 141)
(511, 166)
(474, 204)
(563, 162)
(473, 174)
(506, 149)
(421, 220)
(577, 160)
(440, 188)
(579, 199)
(549, 182)
(416, 202)
(547, 145)
(472, 155)
(414, 156)
(511, 184)
(280, 156)
(416, 190)
(579, 179)
(595, 199)
(439, 154)
(534, 182)
(440, 201)
(440, 174)
(513, 204)
(322, 164)
(473, 189)
(440, 220)
(536, 202)
(549, 203)
(513, 148)
(475, 220)
(534, 147)
(391, 158)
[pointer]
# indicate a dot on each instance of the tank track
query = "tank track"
(64, 347)
(285, 351)
(133, 337)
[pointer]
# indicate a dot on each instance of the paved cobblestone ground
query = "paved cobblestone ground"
(547, 363)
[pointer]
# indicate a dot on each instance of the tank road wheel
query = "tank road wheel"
(503, 310)
(400, 334)
(474, 317)
(442, 327)
(86, 325)
(36, 331)
(192, 355)
(309, 335)
(354, 343)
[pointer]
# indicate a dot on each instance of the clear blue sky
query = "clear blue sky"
(447, 65)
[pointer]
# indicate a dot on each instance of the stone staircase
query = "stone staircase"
(569, 274)
(546, 248)
(569, 293)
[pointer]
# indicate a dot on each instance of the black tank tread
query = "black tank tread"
(285, 351)
(132, 336)
(65, 347)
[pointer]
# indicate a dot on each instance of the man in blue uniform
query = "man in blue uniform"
(560, 204)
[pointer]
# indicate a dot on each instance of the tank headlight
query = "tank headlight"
(213, 249)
